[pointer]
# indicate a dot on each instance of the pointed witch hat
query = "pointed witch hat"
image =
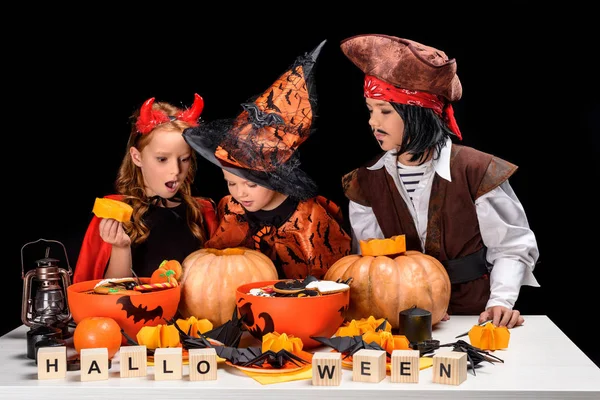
(261, 143)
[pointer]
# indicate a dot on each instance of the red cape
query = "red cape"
(95, 252)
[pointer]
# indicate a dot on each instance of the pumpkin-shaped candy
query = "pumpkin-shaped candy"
(211, 277)
(382, 286)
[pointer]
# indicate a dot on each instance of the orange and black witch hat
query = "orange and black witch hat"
(261, 143)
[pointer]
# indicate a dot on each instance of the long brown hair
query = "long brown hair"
(130, 180)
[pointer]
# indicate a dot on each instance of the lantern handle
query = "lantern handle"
(47, 250)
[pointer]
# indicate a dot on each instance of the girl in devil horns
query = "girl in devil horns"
(155, 178)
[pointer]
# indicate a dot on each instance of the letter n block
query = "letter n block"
(405, 366)
(203, 364)
(327, 369)
(134, 361)
(368, 366)
(168, 363)
(52, 362)
(94, 364)
(450, 368)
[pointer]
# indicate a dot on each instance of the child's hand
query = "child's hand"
(112, 232)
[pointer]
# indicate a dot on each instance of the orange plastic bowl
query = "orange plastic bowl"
(302, 317)
(131, 312)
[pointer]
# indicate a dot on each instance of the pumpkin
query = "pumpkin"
(97, 332)
(382, 286)
(210, 279)
(114, 209)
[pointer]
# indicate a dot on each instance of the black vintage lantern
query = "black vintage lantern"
(45, 291)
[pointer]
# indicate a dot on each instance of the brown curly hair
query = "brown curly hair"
(130, 181)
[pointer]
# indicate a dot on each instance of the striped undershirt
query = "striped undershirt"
(411, 175)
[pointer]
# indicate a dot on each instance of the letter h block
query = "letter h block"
(327, 369)
(369, 366)
(52, 362)
(203, 364)
(134, 361)
(450, 367)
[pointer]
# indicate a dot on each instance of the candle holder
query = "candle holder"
(415, 324)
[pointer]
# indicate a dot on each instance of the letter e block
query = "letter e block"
(203, 364)
(405, 366)
(134, 361)
(450, 368)
(168, 363)
(94, 364)
(368, 366)
(327, 369)
(52, 362)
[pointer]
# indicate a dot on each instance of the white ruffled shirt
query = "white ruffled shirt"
(511, 245)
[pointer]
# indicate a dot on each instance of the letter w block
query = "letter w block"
(327, 369)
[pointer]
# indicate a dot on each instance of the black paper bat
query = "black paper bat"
(138, 312)
(230, 332)
(238, 356)
(347, 345)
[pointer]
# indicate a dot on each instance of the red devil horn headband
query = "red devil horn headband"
(150, 118)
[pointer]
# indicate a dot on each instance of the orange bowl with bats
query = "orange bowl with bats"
(132, 312)
(301, 317)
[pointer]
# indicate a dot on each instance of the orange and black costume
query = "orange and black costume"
(301, 237)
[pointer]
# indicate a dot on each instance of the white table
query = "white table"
(540, 362)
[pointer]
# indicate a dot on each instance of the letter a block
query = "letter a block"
(327, 369)
(405, 366)
(52, 362)
(94, 364)
(203, 364)
(168, 363)
(134, 361)
(368, 366)
(450, 368)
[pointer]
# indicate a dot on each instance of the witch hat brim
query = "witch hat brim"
(261, 143)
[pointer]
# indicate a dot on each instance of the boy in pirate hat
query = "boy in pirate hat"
(273, 206)
(451, 201)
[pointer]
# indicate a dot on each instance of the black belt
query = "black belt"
(467, 268)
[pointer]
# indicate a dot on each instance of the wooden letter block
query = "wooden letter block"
(405, 366)
(168, 363)
(52, 362)
(134, 361)
(368, 366)
(94, 364)
(327, 369)
(203, 364)
(450, 368)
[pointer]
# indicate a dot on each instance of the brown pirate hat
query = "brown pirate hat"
(261, 143)
(404, 63)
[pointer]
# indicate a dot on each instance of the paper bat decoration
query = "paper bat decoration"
(230, 332)
(347, 345)
(238, 356)
(139, 313)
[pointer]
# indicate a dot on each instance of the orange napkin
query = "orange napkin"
(268, 379)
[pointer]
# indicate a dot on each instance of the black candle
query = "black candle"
(415, 324)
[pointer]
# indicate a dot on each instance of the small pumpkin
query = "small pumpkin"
(382, 286)
(169, 271)
(97, 332)
(211, 276)
(489, 337)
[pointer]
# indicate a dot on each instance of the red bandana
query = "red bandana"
(377, 89)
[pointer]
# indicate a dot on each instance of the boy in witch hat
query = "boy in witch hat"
(273, 205)
(451, 201)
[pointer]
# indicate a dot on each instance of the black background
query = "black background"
(530, 97)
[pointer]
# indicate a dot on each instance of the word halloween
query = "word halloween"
(449, 368)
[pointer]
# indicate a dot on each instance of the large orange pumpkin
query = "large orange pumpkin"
(211, 277)
(384, 286)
